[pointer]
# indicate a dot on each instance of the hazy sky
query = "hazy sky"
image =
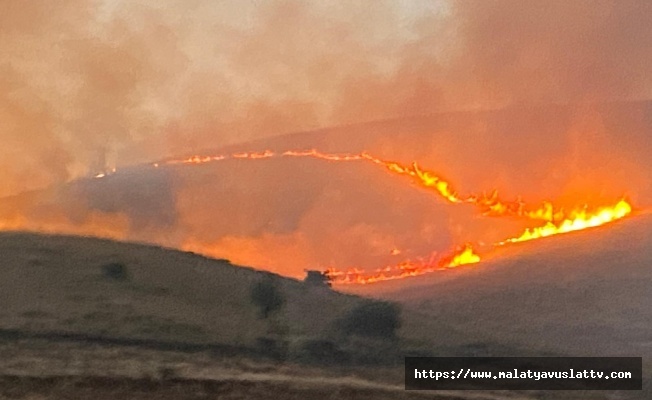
(86, 85)
(134, 81)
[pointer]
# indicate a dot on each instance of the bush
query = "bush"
(318, 278)
(373, 319)
(115, 271)
(267, 297)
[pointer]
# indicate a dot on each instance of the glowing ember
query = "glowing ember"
(105, 174)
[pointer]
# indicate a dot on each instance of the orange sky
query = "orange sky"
(82, 82)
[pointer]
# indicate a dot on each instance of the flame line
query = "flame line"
(557, 220)
(489, 205)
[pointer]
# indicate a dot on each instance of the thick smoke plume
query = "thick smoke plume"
(85, 85)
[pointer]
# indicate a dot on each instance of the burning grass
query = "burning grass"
(557, 219)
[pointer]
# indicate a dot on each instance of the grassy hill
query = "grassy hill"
(70, 328)
(57, 283)
(283, 214)
(579, 294)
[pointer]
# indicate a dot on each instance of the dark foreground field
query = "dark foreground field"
(101, 388)
(181, 326)
(62, 369)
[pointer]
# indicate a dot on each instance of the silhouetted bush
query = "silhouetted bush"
(267, 297)
(115, 271)
(317, 278)
(373, 319)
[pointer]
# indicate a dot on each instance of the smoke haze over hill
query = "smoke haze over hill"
(91, 84)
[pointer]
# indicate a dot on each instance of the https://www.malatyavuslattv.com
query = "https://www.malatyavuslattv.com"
(545, 373)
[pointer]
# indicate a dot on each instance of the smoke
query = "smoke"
(288, 215)
(558, 51)
(87, 83)
(86, 86)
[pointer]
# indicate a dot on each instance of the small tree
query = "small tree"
(373, 319)
(115, 271)
(267, 297)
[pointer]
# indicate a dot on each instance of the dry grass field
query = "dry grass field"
(179, 325)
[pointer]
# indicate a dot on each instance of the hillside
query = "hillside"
(591, 288)
(180, 325)
(287, 214)
(580, 294)
(56, 283)
(585, 293)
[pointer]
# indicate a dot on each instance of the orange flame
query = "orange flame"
(558, 221)
(465, 256)
(408, 268)
(489, 205)
(427, 179)
(578, 220)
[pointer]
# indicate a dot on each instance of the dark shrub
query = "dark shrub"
(373, 319)
(317, 278)
(116, 271)
(267, 297)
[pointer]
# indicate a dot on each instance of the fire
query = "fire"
(429, 180)
(426, 179)
(489, 205)
(578, 220)
(557, 220)
(463, 255)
